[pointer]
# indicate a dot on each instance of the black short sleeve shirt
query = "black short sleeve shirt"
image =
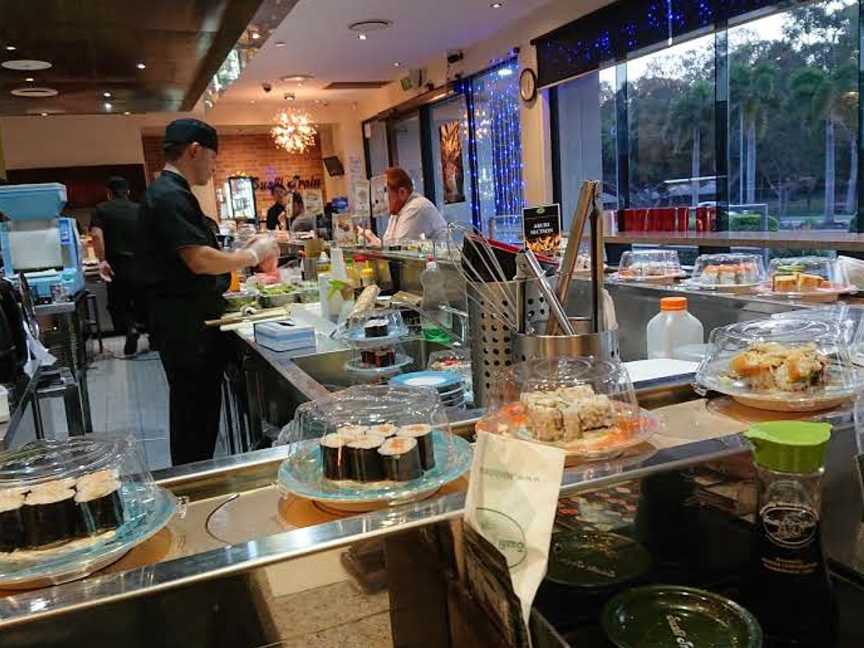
(118, 220)
(170, 219)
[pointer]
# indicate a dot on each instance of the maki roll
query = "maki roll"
(375, 328)
(50, 514)
(97, 496)
(401, 459)
(422, 433)
(334, 459)
(352, 431)
(385, 430)
(364, 459)
(11, 521)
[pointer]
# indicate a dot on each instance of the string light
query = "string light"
(294, 132)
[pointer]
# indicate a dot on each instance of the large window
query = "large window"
(794, 118)
(407, 149)
(671, 126)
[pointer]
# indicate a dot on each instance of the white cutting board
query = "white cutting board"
(641, 370)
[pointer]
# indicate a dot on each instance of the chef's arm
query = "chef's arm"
(202, 259)
(98, 239)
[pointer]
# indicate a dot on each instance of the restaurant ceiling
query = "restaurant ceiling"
(112, 56)
(315, 39)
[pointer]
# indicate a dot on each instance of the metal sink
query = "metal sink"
(328, 369)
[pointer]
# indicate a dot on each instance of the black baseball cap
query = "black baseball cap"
(186, 131)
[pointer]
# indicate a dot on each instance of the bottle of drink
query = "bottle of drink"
(672, 327)
(789, 589)
(434, 297)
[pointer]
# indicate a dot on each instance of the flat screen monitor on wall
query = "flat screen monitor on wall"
(334, 166)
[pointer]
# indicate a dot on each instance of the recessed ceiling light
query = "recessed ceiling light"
(25, 65)
(496, 5)
(361, 36)
(44, 114)
(251, 101)
(126, 112)
(107, 95)
(33, 92)
(280, 43)
(295, 78)
(370, 25)
(255, 35)
(10, 48)
(29, 79)
(396, 64)
(141, 66)
(108, 106)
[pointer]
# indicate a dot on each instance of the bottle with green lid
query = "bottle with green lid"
(790, 590)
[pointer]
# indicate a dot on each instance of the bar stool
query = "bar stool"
(59, 383)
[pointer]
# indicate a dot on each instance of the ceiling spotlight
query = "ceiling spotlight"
(255, 35)
(44, 114)
(251, 101)
(108, 106)
(126, 112)
(361, 36)
(10, 48)
(141, 66)
(107, 95)
(396, 64)
(280, 43)
(29, 79)
(496, 5)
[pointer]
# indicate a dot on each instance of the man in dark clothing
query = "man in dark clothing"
(277, 208)
(185, 274)
(114, 228)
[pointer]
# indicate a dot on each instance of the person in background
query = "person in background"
(300, 220)
(275, 214)
(186, 274)
(410, 213)
(114, 228)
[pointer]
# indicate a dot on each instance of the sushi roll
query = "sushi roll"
(385, 430)
(363, 457)
(401, 459)
(11, 521)
(423, 434)
(50, 514)
(352, 431)
(334, 459)
(375, 328)
(97, 496)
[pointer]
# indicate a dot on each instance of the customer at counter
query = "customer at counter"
(410, 213)
(300, 220)
(185, 274)
(276, 215)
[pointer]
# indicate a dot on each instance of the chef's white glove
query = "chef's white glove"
(262, 247)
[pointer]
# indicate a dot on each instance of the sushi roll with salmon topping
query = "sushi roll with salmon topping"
(401, 459)
(50, 515)
(364, 459)
(385, 430)
(334, 457)
(422, 433)
(97, 496)
(11, 521)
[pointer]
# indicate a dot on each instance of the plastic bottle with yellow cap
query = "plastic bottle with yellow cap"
(671, 328)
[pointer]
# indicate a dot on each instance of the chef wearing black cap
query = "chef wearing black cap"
(186, 273)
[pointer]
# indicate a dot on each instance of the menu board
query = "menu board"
(542, 229)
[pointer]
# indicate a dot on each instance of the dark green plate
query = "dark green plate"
(669, 616)
(591, 559)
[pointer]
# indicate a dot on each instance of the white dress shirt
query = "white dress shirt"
(418, 216)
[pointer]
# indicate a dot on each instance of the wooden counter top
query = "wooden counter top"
(796, 240)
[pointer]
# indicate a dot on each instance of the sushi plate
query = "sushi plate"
(301, 474)
(443, 381)
(723, 288)
(819, 295)
(43, 568)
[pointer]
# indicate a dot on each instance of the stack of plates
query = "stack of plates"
(448, 384)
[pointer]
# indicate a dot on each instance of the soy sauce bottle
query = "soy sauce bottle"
(789, 588)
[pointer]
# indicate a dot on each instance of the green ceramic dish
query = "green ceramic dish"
(668, 616)
(591, 559)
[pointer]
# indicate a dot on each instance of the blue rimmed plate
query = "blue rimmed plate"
(443, 381)
(301, 474)
(146, 510)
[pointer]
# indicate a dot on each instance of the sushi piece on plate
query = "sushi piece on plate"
(97, 496)
(334, 457)
(384, 429)
(11, 521)
(352, 431)
(375, 328)
(50, 514)
(363, 457)
(423, 434)
(401, 459)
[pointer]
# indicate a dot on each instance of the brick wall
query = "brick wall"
(254, 155)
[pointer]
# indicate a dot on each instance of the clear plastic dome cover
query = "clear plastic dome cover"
(802, 276)
(781, 364)
(849, 317)
(375, 329)
(722, 270)
(70, 507)
(368, 446)
(586, 406)
(650, 265)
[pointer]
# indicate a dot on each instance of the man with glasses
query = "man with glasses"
(411, 215)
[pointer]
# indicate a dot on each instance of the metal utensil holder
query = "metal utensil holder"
(491, 339)
(602, 345)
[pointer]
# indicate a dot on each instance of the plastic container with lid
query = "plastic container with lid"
(370, 446)
(807, 277)
(33, 201)
(728, 271)
(68, 508)
(584, 405)
(671, 328)
(850, 318)
(781, 365)
(650, 265)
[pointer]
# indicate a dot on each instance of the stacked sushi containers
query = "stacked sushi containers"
(377, 349)
(69, 508)
(371, 446)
